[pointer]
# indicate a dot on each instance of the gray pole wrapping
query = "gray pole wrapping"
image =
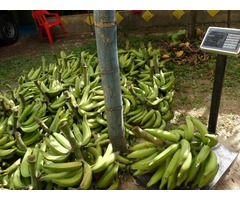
(106, 38)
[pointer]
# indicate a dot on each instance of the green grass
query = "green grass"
(12, 68)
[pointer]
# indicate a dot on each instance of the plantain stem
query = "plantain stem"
(42, 92)
(43, 64)
(11, 92)
(75, 147)
(73, 107)
(85, 75)
(15, 120)
(22, 100)
(43, 125)
(56, 58)
(59, 73)
(145, 135)
(20, 141)
(139, 98)
(156, 65)
(4, 108)
(32, 169)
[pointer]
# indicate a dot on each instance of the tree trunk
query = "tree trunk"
(106, 38)
(228, 18)
(192, 24)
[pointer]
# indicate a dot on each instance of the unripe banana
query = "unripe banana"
(100, 120)
(148, 116)
(185, 151)
(212, 163)
(213, 139)
(169, 85)
(9, 170)
(55, 158)
(199, 175)
(137, 53)
(108, 176)
(62, 140)
(169, 151)
(86, 131)
(146, 88)
(204, 181)
(150, 122)
(190, 129)
(63, 167)
(192, 172)
(17, 182)
(156, 177)
(138, 116)
(70, 181)
(3, 127)
(8, 145)
(114, 185)
(164, 106)
(173, 165)
(201, 128)
(155, 92)
(158, 119)
(142, 152)
(163, 135)
(178, 132)
(87, 177)
(183, 171)
(77, 133)
(56, 175)
(40, 159)
(104, 161)
(172, 181)
(24, 167)
(141, 145)
(122, 159)
(31, 127)
(143, 164)
(31, 138)
(27, 111)
(4, 140)
(132, 101)
(203, 154)
(36, 74)
(168, 115)
(126, 106)
(55, 146)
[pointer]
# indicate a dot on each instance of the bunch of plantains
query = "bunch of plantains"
(179, 158)
(54, 134)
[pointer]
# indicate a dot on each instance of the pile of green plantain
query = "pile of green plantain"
(54, 134)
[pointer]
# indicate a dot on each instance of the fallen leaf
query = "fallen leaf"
(179, 53)
(165, 56)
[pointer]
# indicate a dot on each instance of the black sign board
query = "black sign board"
(224, 41)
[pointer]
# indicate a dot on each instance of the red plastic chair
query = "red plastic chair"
(41, 16)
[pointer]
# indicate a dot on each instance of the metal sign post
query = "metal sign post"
(224, 42)
(217, 91)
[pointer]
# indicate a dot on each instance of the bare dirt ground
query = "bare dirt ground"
(228, 126)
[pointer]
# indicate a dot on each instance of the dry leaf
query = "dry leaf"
(179, 53)
(165, 56)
